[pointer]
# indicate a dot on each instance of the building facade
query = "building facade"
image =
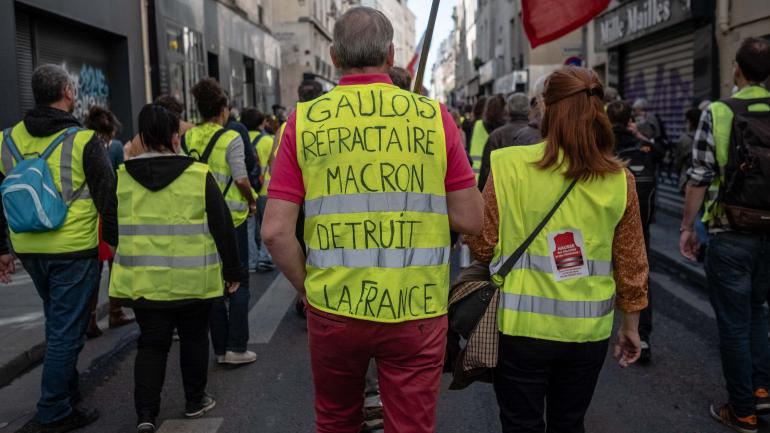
(493, 54)
(443, 78)
(735, 21)
(304, 29)
(98, 43)
(227, 40)
(663, 51)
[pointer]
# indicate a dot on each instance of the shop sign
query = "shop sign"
(635, 19)
(507, 83)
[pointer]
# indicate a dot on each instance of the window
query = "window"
(186, 64)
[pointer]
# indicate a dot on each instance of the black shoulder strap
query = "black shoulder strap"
(508, 265)
(742, 105)
(183, 145)
(204, 157)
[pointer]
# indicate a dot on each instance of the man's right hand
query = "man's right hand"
(232, 286)
(7, 268)
(689, 245)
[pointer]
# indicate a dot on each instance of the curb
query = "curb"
(33, 356)
(692, 274)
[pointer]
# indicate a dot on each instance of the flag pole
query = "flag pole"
(426, 47)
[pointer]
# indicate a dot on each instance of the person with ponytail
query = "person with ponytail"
(570, 205)
(176, 245)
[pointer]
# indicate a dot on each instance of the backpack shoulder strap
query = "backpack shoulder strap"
(742, 105)
(257, 139)
(58, 140)
(210, 147)
(183, 144)
(8, 141)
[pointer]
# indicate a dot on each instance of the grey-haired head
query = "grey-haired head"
(52, 84)
(518, 104)
(363, 38)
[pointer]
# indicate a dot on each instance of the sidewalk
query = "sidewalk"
(664, 251)
(22, 333)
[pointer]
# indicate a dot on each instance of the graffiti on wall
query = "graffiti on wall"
(669, 96)
(91, 83)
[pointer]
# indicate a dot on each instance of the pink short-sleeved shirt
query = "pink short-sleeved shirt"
(286, 176)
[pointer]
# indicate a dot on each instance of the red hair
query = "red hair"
(576, 124)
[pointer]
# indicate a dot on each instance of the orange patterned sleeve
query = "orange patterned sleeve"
(629, 255)
(482, 246)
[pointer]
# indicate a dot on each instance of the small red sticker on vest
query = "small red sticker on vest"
(566, 254)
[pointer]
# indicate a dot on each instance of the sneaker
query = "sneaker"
(196, 410)
(76, 419)
(145, 427)
(763, 401)
(646, 356)
(724, 414)
(235, 358)
(265, 267)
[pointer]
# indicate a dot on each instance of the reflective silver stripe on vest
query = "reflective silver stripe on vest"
(476, 158)
(7, 157)
(596, 268)
(163, 230)
(220, 178)
(168, 262)
(237, 206)
(84, 194)
(378, 257)
(65, 167)
(558, 308)
(376, 202)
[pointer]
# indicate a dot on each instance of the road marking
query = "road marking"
(267, 314)
(678, 291)
(200, 425)
(24, 318)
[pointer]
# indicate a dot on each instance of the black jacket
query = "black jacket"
(100, 178)
(642, 164)
(156, 173)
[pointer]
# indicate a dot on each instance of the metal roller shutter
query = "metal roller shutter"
(660, 70)
(24, 61)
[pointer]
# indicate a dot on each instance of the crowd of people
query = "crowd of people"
(552, 192)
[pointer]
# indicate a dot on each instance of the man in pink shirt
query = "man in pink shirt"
(382, 176)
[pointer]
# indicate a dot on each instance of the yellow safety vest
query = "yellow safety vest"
(196, 140)
(264, 146)
(79, 231)
(478, 141)
(562, 288)
(165, 250)
(373, 161)
(722, 125)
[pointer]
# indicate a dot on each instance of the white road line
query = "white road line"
(200, 425)
(268, 312)
(683, 294)
(24, 318)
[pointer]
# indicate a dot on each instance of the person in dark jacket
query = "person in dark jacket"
(161, 308)
(518, 109)
(64, 272)
(641, 155)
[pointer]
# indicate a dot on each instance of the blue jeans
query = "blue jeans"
(65, 287)
(738, 273)
(230, 315)
(254, 239)
(264, 258)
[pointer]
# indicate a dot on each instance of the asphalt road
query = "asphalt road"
(274, 395)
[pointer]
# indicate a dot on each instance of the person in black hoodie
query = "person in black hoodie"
(63, 262)
(173, 296)
(642, 155)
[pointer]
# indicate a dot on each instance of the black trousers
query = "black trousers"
(157, 328)
(533, 376)
(647, 209)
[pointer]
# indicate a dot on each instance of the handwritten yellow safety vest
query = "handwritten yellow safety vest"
(165, 249)
(479, 139)
(562, 288)
(79, 231)
(373, 161)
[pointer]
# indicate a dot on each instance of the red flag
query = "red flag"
(414, 63)
(547, 20)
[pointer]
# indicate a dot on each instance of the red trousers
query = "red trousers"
(409, 358)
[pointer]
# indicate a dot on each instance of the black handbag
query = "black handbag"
(465, 314)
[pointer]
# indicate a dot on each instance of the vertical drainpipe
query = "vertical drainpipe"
(723, 16)
(146, 51)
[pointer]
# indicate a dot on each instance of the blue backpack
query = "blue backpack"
(30, 199)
